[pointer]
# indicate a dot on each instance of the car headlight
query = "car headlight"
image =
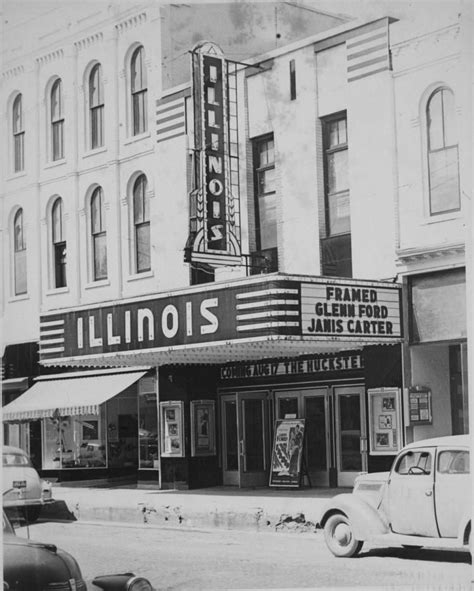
(139, 584)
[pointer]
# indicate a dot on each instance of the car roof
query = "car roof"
(457, 440)
(11, 449)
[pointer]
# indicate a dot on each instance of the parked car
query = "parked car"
(423, 501)
(22, 486)
(30, 565)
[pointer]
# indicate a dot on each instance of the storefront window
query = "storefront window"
(122, 429)
(74, 442)
(148, 429)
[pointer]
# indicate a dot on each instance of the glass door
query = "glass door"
(245, 439)
(254, 438)
(310, 404)
(351, 436)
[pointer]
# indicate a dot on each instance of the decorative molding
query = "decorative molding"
(124, 202)
(82, 212)
(411, 255)
(12, 72)
(88, 41)
(50, 57)
(131, 23)
(150, 194)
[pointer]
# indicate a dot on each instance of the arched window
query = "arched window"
(96, 107)
(18, 135)
(19, 254)
(57, 121)
(98, 236)
(58, 243)
(139, 91)
(443, 162)
(141, 222)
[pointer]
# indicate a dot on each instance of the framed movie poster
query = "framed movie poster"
(287, 452)
(419, 405)
(385, 421)
(203, 428)
(172, 429)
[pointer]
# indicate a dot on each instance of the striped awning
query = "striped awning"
(68, 395)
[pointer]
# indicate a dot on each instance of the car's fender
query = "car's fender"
(365, 520)
(464, 530)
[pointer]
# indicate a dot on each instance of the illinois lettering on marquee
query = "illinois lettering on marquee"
(214, 236)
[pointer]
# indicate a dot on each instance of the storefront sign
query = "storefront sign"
(385, 421)
(287, 452)
(214, 230)
(292, 367)
(341, 310)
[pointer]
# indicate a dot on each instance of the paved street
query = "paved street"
(198, 559)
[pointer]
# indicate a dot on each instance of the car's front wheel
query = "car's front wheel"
(340, 537)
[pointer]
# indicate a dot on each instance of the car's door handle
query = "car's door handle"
(428, 493)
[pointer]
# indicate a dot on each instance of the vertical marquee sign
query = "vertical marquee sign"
(214, 216)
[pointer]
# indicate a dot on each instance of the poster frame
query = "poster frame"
(172, 415)
(292, 480)
(416, 410)
(198, 446)
(385, 421)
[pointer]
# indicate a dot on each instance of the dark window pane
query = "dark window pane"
(338, 179)
(232, 459)
(339, 213)
(60, 264)
(56, 99)
(287, 406)
(444, 180)
(17, 115)
(100, 256)
(96, 212)
(435, 122)
(254, 434)
(268, 223)
(19, 238)
(58, 150)
(316, 433)
(19, 152)
(97, 126)
(266, 181)
(57, 215)
(142, 238)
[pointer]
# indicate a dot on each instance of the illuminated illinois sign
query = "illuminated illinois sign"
(214, 236)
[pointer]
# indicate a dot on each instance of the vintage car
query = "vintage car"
(30, 565)
(423, 501)
(22, 486)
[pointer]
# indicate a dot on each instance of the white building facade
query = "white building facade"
(275, 240)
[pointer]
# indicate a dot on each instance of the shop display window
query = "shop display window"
(74, 442)
(148, 425)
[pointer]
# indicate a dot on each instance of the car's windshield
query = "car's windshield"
(15, 459)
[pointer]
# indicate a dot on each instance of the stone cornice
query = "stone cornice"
(12, 72)
(88, 41)
(411, 255)
(50, 57)
(130, 23)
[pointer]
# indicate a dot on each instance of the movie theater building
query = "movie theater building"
(272, 287)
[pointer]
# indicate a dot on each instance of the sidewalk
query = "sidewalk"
(223, 507)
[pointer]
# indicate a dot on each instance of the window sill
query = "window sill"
(93, 152)
(57, 291)
(16, 175)
(137, 138)
(100, 283)
(55, 163)
(19, 298)
(137, 276)
(442, 217)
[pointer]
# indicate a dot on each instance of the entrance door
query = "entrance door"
(350, 433)
(312, 405)
(245, 439)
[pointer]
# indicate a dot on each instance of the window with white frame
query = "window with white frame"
(443, 158)
(18, 134)
(57, 121)
(58, 244)
(138, 87)
(98, 236)
(19, 254)
(96, 107)
(141, 224)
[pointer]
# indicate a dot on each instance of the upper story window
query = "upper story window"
(57, 121)
(18, 134)
(19, 254)
(58, 244)
(443, 160)
(141, 223)
(138, 88)
(98, 235)
(336, 176)
(96, 107)
(266, 197)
